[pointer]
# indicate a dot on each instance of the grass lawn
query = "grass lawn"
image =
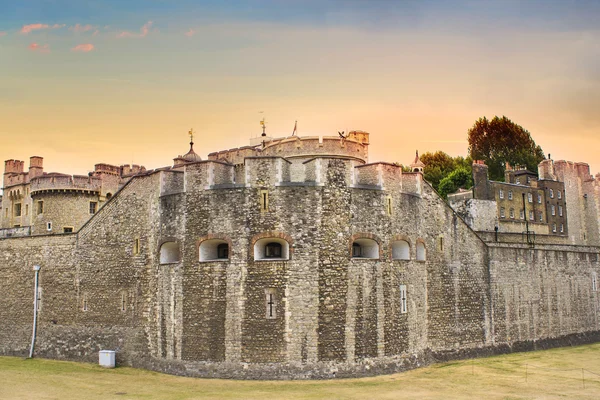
(550, 374)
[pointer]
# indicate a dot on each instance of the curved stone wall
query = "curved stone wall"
(54, 210)
(320, 311)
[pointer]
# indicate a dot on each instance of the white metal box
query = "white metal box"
(107, 358)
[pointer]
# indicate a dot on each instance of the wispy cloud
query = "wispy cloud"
(42, 48)
(81, 28)
(85, 47)
(35, 27)
(144, 30)
(190, 33)
(2, 33)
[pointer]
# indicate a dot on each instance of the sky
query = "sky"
(121, 82)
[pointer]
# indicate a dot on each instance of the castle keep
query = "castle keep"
(294, 258)
(36, 202)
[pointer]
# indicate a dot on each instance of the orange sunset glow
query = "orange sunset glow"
(89, 82)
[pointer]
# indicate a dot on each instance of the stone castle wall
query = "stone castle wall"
(61, 210)
(111, 285)
(58, 295)
(582, 206)
(547, 293)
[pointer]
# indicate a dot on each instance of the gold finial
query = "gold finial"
(191, 133)
(263, 124)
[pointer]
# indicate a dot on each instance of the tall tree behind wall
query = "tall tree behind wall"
(499, 141)
(439, 165)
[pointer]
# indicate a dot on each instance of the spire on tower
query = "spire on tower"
(417, 165)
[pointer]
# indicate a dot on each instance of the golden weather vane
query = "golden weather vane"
(263, 124)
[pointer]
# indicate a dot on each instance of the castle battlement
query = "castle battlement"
(61, 182)
(272, 171)
(120, 171)
(354, 146)
(133, 169)
(13, 166)
(107, 169)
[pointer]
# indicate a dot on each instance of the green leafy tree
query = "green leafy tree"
(457, 179)
(439, 165)
(499, 141)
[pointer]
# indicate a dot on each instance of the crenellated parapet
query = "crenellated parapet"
(308, 147)
(273, 171)
(234, 156)
(130, 170)
(381, 175)
(107, 169)
(13, 173)
(353, 146)
(13, 166)
(54, 182)
(120, 171)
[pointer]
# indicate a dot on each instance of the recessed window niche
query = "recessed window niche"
(365, 248)
(169, 253)
(400, 250)
(271, 249)
(214, 250)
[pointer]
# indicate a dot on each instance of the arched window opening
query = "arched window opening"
(214, 249)
(223, 251)
(420, 251)
(400, 250)
(271, 249)
(356, 250)
(108, 196)
(169, 252)
(365, 248)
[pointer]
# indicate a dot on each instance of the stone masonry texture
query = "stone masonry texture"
(131, 277)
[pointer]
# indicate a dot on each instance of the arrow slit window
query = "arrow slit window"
(403, 306)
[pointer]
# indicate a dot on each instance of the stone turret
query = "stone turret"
(359, 136)
(13, 166)
(36, 166)
(188, 157)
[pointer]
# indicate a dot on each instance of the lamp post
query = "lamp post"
(36, 268)
(496, 230)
